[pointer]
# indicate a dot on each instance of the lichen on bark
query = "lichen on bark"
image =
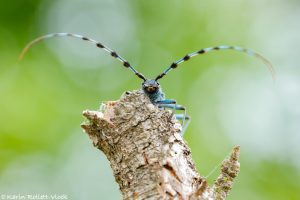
(148, 156)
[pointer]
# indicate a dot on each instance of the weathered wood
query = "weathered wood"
(149, 158)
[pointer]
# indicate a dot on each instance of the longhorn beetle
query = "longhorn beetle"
(151, 87)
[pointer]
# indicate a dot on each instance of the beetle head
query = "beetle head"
(150, 86)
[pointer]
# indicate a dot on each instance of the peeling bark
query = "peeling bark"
(149, 158)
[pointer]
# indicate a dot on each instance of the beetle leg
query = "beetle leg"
(185, 119)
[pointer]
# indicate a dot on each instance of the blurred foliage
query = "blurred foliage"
(42, 96)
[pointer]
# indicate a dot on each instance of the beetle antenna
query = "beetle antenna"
(98, 44)
(206, 50)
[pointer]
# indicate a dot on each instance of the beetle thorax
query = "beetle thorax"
(152, 90)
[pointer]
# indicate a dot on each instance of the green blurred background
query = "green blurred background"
(231, 98)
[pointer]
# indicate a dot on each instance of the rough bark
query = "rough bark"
(148, 156)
